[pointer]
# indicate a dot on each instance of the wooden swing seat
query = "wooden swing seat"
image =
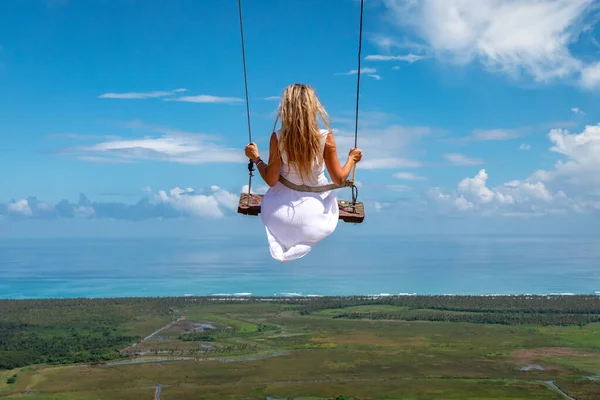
(348, 212)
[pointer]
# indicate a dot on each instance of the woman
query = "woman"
(296, 221)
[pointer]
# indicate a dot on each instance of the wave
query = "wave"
(401, 294)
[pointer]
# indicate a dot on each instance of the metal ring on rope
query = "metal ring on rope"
(354, 194)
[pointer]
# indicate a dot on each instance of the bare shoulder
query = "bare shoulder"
(274, 139)
(329, 139)
(274, 144)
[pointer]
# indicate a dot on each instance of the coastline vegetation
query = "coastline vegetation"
(494, 347)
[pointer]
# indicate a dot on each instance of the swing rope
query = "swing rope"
(358, 79)
(250, 163)
(348, 183)
(354, 188)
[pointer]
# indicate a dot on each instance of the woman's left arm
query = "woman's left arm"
(269, 172)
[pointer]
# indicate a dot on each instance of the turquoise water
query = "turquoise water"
(36, 268)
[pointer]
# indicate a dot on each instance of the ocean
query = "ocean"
(240, 265)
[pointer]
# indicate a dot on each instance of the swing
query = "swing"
(349, 211)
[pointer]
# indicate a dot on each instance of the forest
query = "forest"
(523, 304)
(64, 331)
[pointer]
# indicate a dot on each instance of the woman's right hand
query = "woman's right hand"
(355, 155)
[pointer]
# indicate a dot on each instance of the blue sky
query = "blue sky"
(479, 114)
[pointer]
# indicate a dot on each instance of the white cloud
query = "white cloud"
(461, 159)
(476, 188)
(187, 150)
(496, 134)
(140, 95)
(383, 148)
(582, 153)
(377, 206)
(473, 194)
(20, 207)
(410, 58)
(83, 137)
(175, 203)
(362, 71)
(544, 191)
(528, 190)
(104, 160)
(590, 76)
(147, 189)
(388, 163)
(577, 110)
(387, 43)
(224, 198)
(44, 207)
(84, 212)
(524, 146)
(367, 119)
(463, 204)
(437, 194)
(510, 37)
(137, 124)
(209, 206)
(368, 71)
(256, 189)
(408, 176)
(272, 98)
(398, 188)
(206, 99)
(170, 146)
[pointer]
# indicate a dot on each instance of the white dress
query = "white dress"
(297, 221)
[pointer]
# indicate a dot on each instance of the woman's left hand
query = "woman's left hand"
(252, 151)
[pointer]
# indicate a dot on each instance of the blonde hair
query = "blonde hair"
(300, 137)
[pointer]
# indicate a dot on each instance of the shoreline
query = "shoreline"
(296, 296)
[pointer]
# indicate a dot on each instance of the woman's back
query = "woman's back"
(290, 172)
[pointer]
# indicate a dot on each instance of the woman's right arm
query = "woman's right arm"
(338, 173)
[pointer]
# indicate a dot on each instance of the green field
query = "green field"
(394, 348)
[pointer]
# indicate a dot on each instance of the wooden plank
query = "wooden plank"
(351, 213)
(250, 205)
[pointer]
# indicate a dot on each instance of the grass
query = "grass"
(5, 387)
(405, 389)
(318, 357)
(589, 365)
(574, 336)
(368, 308)
(238, 325)
(583, 389)
(144, 326)
(128, 394)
